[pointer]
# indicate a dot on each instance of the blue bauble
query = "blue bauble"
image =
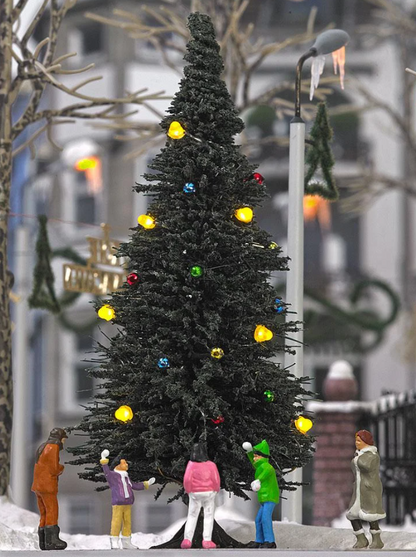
(163, 363)
(189, 188)
(279, 306)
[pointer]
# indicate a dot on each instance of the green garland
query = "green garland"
(43, 292)
(340, 324)
(320, 155)
(68, 298)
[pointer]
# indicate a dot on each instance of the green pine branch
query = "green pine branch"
(319, 156)
(43, 292)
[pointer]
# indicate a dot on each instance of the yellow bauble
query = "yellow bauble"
(244, 214)
(262, 333)
(303, 424)
(176, 131)
(217, 353)
(146, 221)
(106, 312)
(124, 414)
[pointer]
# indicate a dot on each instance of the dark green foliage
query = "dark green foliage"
(346, 325)
(43, 291)
(319, 155)
(171, 314)
(68, 298)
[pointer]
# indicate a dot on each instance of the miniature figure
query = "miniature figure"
(265, 483)
(122, 499)
(366, 502)
(45, 486)
(201, 483)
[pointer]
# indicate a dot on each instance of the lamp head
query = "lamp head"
(330, 41)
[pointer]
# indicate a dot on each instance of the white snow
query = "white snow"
(341, 369)
(345, 407)
(18, 531)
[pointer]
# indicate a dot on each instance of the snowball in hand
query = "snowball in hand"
(151, 481)
(248, 447)
(105, 454)
(256, 485)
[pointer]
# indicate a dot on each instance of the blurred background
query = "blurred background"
(368, 235)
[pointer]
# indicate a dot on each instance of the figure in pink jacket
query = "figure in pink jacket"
(201, 483)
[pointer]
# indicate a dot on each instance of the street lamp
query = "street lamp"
(327, 42)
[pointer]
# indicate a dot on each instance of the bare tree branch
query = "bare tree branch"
(367, 186)
(18, 9)
(396, 116)
(71, 72)
(33, 24)
(37, 133)
(40, 46)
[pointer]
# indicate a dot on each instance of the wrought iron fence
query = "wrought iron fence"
(393, 425)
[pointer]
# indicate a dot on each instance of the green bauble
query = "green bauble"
(197, 271)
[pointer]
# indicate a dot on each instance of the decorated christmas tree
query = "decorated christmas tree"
(199, 327)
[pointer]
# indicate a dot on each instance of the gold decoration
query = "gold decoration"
(217, 353)
(303, 424)
(262, 333)
(124, 414)
(106, 312)
(88, 278)
(176, 131)
(146, 221)
(79, 278)
(244, 214)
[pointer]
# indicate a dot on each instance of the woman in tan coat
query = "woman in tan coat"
(366, 502)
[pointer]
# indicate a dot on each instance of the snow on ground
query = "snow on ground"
(18, 531)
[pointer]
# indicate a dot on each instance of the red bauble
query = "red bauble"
(218, 420)
(132, 278)
(258, 177)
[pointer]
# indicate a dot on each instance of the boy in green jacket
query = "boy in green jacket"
(265, 483)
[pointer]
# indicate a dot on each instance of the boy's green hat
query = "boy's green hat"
(262, 449)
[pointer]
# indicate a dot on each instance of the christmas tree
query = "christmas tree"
(198, 322)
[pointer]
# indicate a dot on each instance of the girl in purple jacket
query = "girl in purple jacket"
(122, 499)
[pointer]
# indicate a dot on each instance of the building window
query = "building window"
(84, 351)
(153, 517)
(38, 363)
(77, 514)
(87, 39)
(157, 517)
(147, 52)
(78, 386)
(82, 202)
(85, 202)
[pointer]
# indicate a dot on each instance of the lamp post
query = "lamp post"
(326, 42)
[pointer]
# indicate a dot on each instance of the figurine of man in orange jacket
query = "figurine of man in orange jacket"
(202, 483)
(45, 485)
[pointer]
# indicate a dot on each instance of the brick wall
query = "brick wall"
(335, 423)
(332, 476)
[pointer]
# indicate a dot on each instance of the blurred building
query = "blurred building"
(353, 247)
